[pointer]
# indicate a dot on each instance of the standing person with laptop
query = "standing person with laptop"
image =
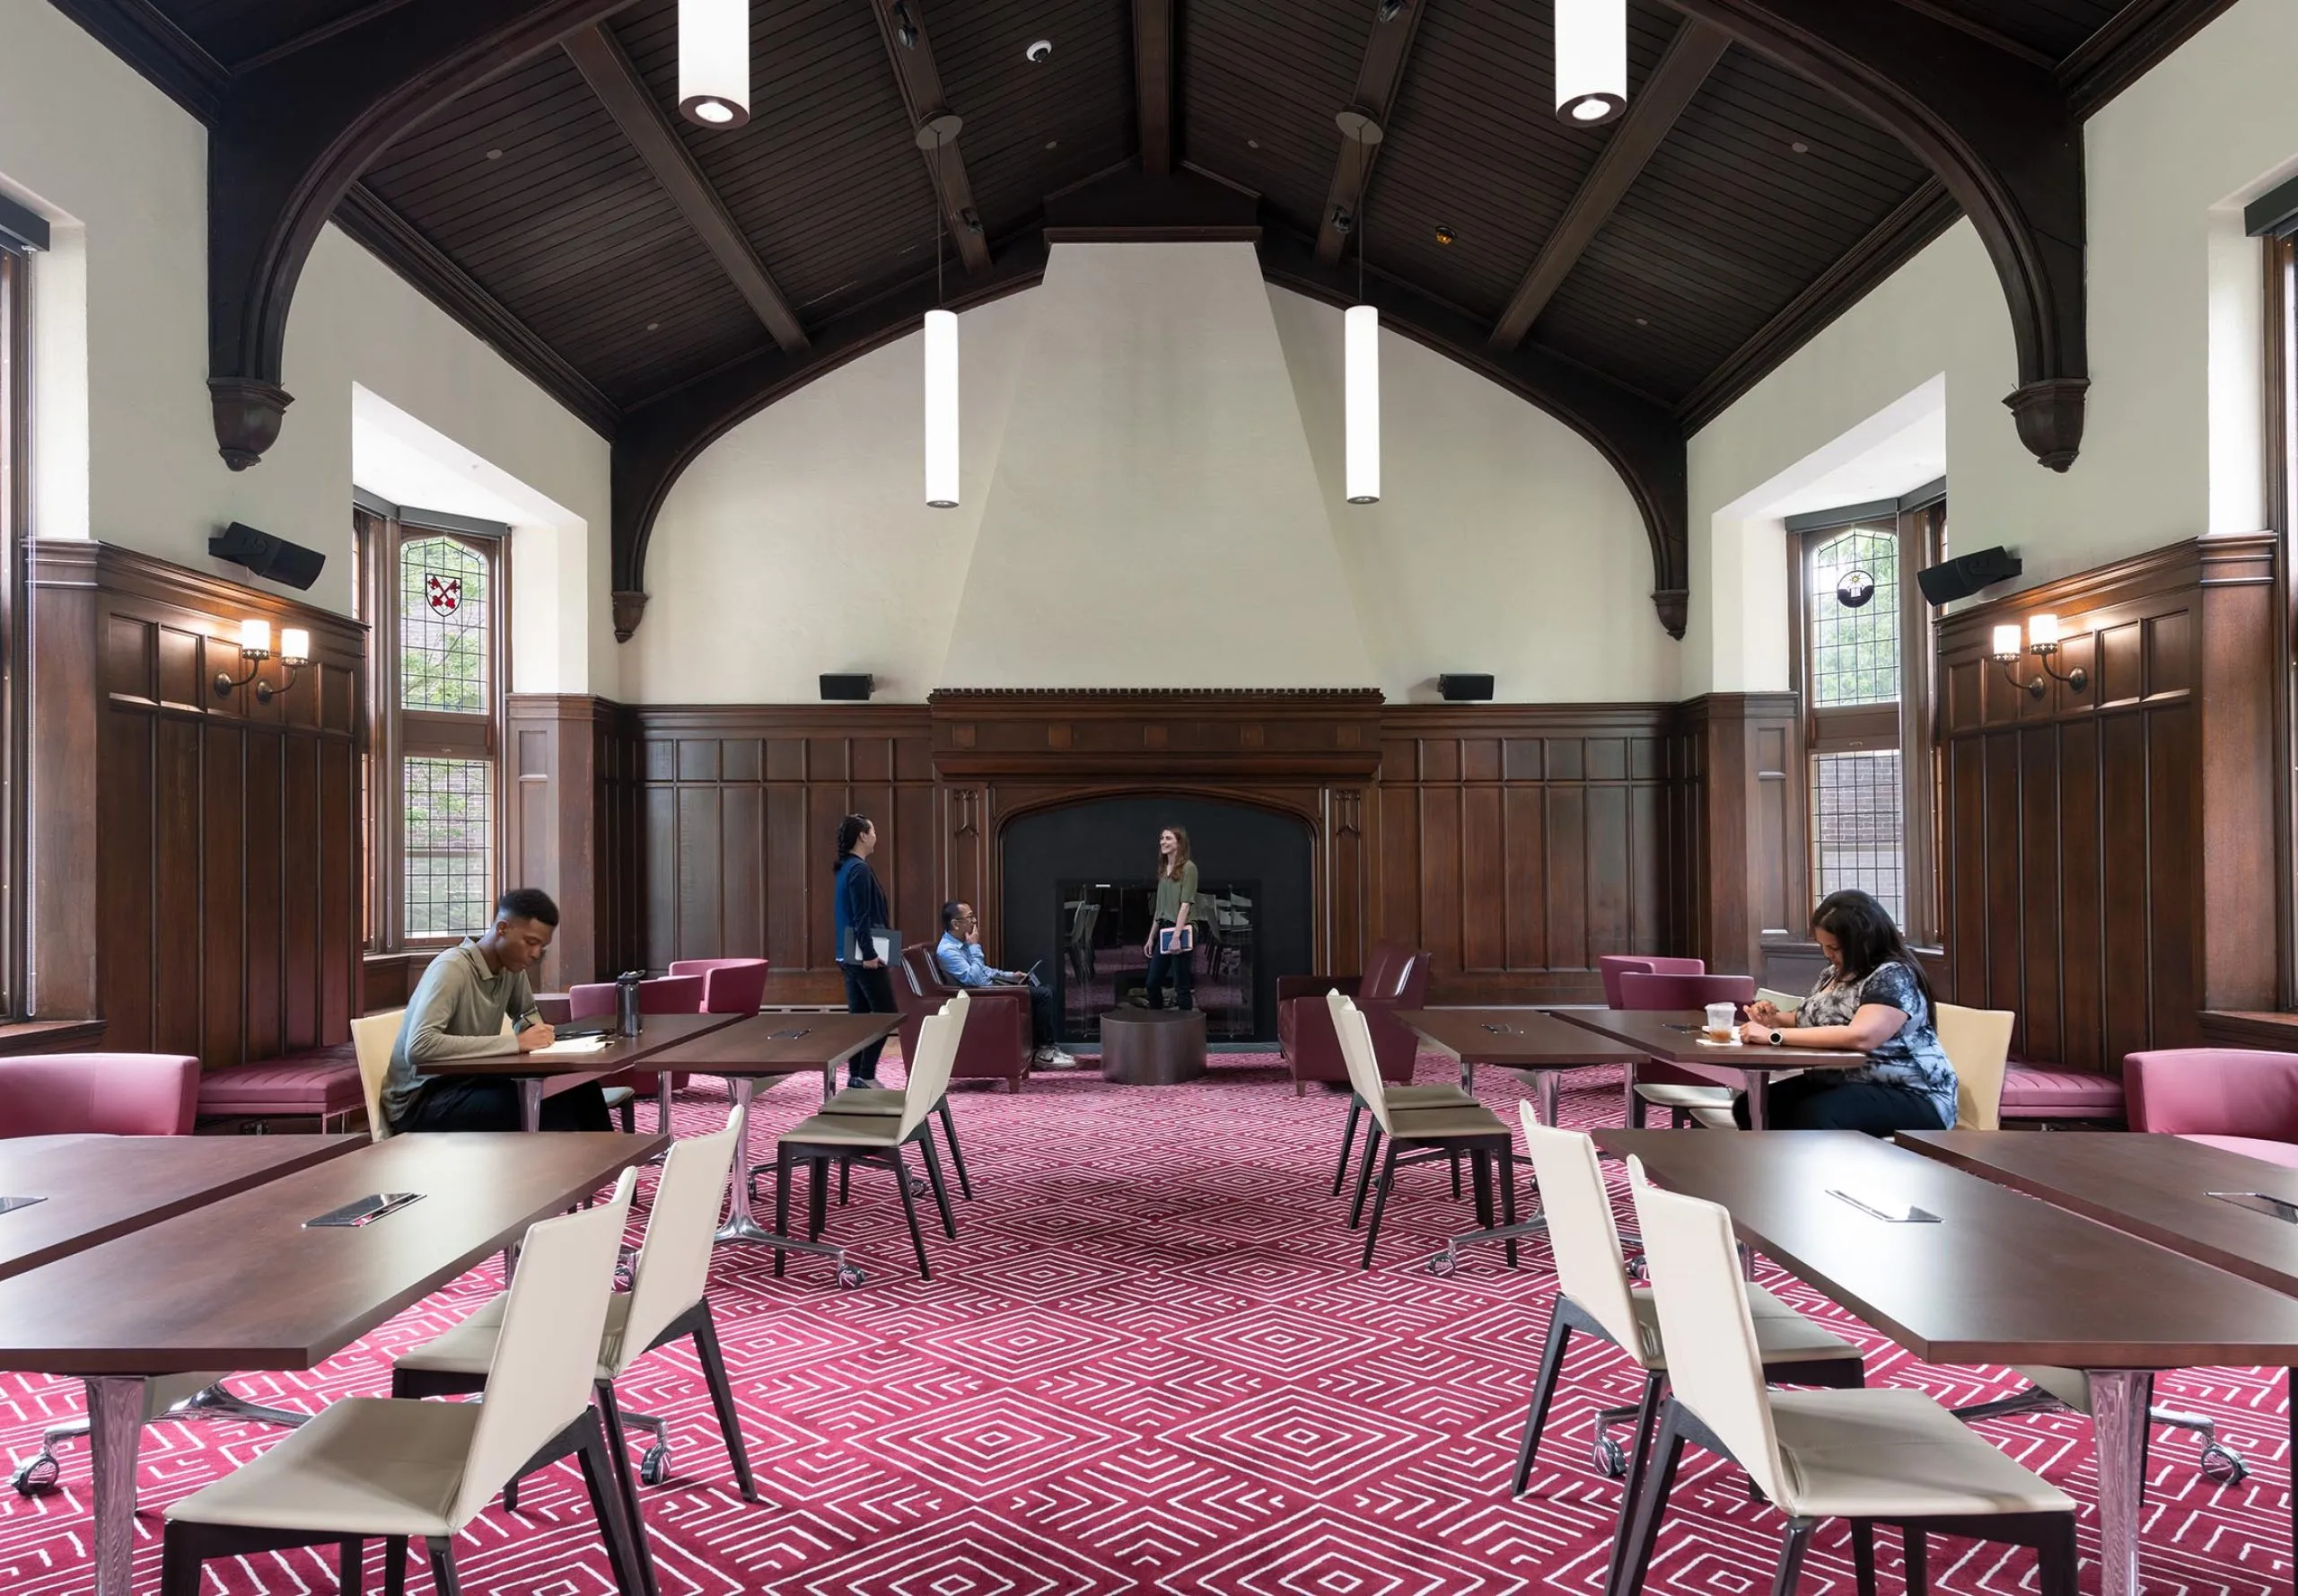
(1176, 894)
(862, 918)
(960, 954)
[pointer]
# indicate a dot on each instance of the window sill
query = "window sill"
(2224, 1028)
(46, 1036)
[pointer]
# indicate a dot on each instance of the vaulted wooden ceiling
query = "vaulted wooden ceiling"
(663, 280)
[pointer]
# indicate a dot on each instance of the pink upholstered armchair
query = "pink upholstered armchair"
(113, 1095)
(664, 995)
(729, 985)
(2226, 1097)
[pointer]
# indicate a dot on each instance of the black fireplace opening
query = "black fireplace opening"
(1105, 957)
(1079, 883)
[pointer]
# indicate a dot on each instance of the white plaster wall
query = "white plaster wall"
(125, 450)
(2172, 447)
(799, 543)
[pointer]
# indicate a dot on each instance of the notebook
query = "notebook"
(1176, 939)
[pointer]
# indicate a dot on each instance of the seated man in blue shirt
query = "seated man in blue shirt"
(960, 952)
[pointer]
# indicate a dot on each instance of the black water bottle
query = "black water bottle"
(626, 998)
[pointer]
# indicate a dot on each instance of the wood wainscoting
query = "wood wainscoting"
(1517, 842)
(2108, 857)
(195, 859)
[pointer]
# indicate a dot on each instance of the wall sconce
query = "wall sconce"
(2042, 642)
(255, 648)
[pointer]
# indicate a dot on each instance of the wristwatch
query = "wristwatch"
(1778, 1040)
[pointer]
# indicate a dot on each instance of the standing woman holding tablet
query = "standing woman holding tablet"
(861, 913)
(1176, 892)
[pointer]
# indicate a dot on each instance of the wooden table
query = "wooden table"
(94, 1188)
(1528, 1041)
(241, 1284)
(769, 1047)
(658, 1034)
(2000, 1279)
(1671, 1036)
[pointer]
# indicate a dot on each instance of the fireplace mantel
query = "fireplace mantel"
(1112, 734)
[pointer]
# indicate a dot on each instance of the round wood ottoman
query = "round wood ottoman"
(1152, 1047)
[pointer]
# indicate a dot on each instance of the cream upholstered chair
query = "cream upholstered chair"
(1978, 1043)
(1595, 1297)
(372, 1038)
(389, 1469)
(1420, 1134)
(1877, 1455)
(877, 1139)
(666, 1303)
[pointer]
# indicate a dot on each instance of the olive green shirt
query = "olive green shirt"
(457, 1012)
(1172, 891)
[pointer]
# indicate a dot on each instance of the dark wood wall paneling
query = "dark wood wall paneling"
(1515, 842)
(220, 834)
(1741, 819)
(2107, 856)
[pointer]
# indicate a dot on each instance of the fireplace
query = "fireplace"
(1079, 881)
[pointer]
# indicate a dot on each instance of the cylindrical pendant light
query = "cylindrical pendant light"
(1362, 351)
(715, 62)
(1591, 60)
(942, 409)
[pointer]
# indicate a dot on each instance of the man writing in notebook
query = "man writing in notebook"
(458, 1012)
(959, 955)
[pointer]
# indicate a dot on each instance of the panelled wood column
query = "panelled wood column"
(1740, 785)
(2106, 863)
(195, 856)
(566, 821)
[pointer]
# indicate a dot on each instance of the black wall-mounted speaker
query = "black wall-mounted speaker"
(847, 689)
(1464, 688)
(275, 559)
(1960, 577)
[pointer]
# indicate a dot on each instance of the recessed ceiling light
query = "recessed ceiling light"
(1252, 144)
(1800, 147)
(1052, 143)
(494, 155)
(1445, 235)
(653, 327)
(1642, 321)
(1038, 49)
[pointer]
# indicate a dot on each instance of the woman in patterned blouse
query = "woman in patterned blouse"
(1873, 1000)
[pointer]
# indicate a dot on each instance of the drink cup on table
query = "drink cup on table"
(1719, 1019)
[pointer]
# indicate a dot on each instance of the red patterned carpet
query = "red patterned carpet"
(1149, 1363)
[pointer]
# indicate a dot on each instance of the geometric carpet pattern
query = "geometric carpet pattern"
(1150, 1363)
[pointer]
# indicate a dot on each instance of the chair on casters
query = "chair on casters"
(117, 1094)
(667, 1302)
(1978, 1043)
(1419, 1134)
(390, 1469)
(1878, 1455)
(878, 1139)
(1595, 1297)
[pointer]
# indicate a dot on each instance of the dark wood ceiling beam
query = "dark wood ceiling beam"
(1378, 79)
(1898, 238)
(395, 242)
(2129, 45)
(286, 141)
(599, 57)
(934, 124)
(1642, 439)
(1652, 112)
(144, 36)
(661, 436)
(1979, 30)
(1152, 84)
(2002, 136)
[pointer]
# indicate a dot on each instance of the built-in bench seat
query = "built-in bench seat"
(320, 1085)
